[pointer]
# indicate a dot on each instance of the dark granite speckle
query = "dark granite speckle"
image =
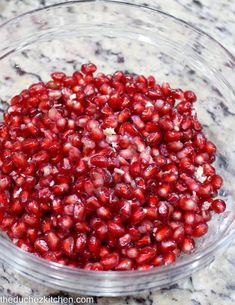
(22, 72)
(198, 3)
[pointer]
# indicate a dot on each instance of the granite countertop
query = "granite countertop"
(213, 285)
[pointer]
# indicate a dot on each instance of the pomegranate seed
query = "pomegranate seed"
(115, 229)
(93, 244)
(200, 229)
(18, 229)
(24, 246)
(167, 245)
(80, 242)
(143, 241)
(208, 169)
(216, 182)
(41, 246)
(177, 215)
(101, 231)
(124, 264)
(158, 261)
(187, 204)
(66, 222)
(110, 261)
(68, 245)
(205, 190)
(163, 233)
(163, 210)
(169, 258)
(125, 240)
(210, 148)
(189, 218)
(188, 245)
(164, 190)
(53, 241)
(145, 255)
(218, 206)
(138, 216)
(190, 96)
(178, 234)
(132, 252)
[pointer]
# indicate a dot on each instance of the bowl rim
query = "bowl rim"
(121, 2)
(188, 260)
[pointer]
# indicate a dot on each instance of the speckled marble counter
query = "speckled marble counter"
(213, 285)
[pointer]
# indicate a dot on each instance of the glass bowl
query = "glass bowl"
(123, 36)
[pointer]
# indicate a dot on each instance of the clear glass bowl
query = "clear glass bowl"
(122, 36)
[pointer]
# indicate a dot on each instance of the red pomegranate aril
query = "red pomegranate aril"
(200, 230)
(188, 245)
(135, 234)
(169, 258)
(163, 233)
(16, 207)
(190, 96)
(158, 261)
(163, 210)
(124, 240)
(41, 246)
(218, 206)
(208, 169)
(93, 266)
(93, 244)
(80, 242)
(199, 141)
(173, 136)
(210, 148)
(68, 245)
(150, 171)
(144, 267)
(175, 146)
(187, 164)
(30, 220)
(115, 229)
(104, 213)
(101, 231)
(132, 252)
(145, 255)
(167, 245)
(99, 161)
(216, 182)
(188, 229)
(189, 218)
(58, 76)
(53, 241)
(24, 246)
(163, 190)
(154, 138)
(201, 158)
(205, 190)
(18, 229)
(19, 160)
(138, 216)
(110, 261)
(143, 241)
(187, 204)
(66, 222)
(198, 219)
(178, 234)
(124, 264)
(177, 215)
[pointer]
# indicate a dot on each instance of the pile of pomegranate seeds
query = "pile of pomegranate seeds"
(106, 172)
